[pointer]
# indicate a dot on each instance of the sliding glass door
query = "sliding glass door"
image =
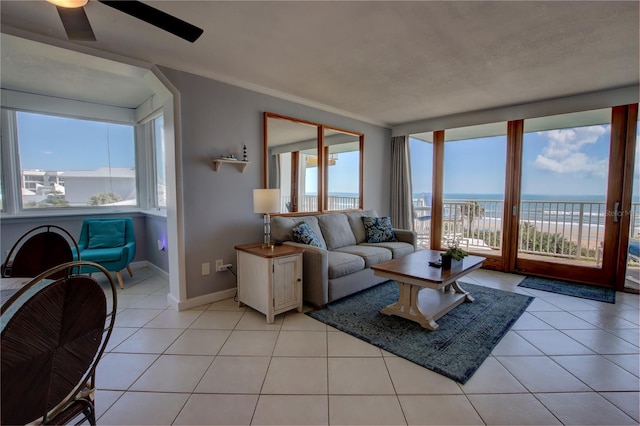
(632, 265)
(553, 196)
(565, 165)
(570, 196)
(473, 188)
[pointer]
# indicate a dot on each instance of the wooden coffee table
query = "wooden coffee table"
(426, 293)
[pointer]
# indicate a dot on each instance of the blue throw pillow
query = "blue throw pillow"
(378, 229)
(106, 234)
(304, 233)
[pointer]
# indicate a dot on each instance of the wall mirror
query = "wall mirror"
(316, 167)
(343, 169)
(291, 162)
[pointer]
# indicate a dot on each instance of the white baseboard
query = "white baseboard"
(201, 300)
(148, 264)
(189, 303)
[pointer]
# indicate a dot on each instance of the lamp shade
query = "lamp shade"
(72, 4)
(266, 200)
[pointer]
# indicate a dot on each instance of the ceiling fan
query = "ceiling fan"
(77, 26)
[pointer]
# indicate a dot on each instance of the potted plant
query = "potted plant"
(453, 256)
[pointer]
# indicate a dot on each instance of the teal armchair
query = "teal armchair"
(108, 242)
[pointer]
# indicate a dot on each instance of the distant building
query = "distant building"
(81, 185)
(37, 184)
(42, 182)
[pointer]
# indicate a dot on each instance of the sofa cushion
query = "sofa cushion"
(341, 264)
(282, 227)
(336, 230)
(398, 249)
(372, 254)
(355, 221)
(304, 233)
(106, 234)
(378, 229)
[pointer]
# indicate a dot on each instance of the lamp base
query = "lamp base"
(267, 232)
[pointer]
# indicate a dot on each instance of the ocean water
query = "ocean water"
(538, 208)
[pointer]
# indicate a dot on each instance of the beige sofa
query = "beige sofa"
(344, 267)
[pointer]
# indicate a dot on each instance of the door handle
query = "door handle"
(616, 212)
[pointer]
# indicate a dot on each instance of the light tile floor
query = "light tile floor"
(566, 361)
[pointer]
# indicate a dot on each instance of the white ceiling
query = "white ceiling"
(385, 62)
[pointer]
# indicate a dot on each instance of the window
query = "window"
(159, 155)
(68, 162)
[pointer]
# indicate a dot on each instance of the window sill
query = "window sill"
(157, 212)
(61, 213)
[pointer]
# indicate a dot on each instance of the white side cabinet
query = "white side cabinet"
(270, 279)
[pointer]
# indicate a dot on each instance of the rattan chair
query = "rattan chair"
(53, 333)
(38, 250)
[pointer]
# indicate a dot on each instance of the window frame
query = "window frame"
(154, 162)
(11, 173)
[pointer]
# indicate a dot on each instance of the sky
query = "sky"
(58, 143)
(557, 162)
(343, 175)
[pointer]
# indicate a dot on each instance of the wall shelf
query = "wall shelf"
(218, 161)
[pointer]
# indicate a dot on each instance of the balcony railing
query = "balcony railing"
(561, 229)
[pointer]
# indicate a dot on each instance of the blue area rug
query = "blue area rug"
(601, 294)
(465, 337)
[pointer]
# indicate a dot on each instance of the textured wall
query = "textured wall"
(217, 119)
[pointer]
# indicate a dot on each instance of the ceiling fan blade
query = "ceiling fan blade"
(76, 24)
(157, 18)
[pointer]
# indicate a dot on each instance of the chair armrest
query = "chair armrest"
(129, 251)
(407, 236)
(315, 273)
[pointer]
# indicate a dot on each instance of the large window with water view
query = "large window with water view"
(67, 162)
(565, 161)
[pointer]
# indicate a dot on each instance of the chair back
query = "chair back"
(38, 250)
(87, 226)
(53, 335)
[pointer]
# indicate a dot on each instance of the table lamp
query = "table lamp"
(266, 201)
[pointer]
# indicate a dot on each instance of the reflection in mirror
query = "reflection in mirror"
(291, 154)
(343, 154)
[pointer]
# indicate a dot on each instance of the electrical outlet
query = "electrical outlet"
(219, 263)
(206, 268)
